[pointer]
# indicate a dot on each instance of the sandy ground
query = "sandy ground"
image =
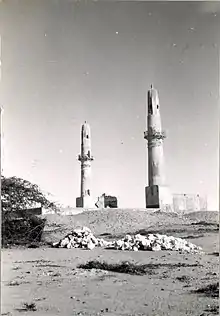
(50, 277)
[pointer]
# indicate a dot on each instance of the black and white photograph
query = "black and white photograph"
(109, 157)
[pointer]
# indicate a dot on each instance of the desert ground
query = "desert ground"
(47, 281)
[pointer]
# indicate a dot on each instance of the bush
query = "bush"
(21, 230)
(19, 227)
(19, 194)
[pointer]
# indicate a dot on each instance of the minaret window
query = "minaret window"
(150, 107)
(88, 192)
(87, 136)
(89, 153)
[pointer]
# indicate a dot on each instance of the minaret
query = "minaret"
(157, 193)
(85, 199)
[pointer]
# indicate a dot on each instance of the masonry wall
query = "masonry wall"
(29, 211)
(186, 203)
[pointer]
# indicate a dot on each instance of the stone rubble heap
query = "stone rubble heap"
(83, 238)
(154, 242)
(78, 238)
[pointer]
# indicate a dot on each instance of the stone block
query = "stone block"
(158, 197)
(84, 202)
(79, 202)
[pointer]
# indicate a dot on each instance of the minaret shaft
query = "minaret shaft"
(85, 158)
(157, 193)
(156, 174)
(155, 166)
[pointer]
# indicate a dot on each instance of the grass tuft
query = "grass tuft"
(216, 253)
(214, 309)
(30, 307)
(211, 290)
(184, 278)
(123, 267)
(131, 268)
(13, 283)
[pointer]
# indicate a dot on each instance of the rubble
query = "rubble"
(83, 238)
(80, 238)
(154, 242)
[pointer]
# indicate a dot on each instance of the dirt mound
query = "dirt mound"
(203, 216)
(108, 222)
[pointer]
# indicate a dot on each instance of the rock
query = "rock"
(64, 242)
(94, 240)
(56, 244)
(146, 244)
(90, 245)
(128, 238)
(77, 240)
(135, 248)
(119, 243)
(127, 246)
(86, 230)
(69, 245)
(151, 237)
(156, 247)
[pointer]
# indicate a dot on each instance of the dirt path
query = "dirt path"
(49, 278)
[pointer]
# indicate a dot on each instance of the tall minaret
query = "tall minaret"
(157, 193)
(85, 199)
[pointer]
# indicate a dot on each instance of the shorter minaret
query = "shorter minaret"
(85, 199)
(157, 193)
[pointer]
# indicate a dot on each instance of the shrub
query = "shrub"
(21, 231)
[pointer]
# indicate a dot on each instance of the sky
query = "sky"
(64, 62)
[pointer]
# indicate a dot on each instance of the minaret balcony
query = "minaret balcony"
(85, 158)
(154, 135)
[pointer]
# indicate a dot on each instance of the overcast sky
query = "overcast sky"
(64, 62)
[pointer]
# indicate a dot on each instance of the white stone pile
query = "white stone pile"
(154, 242)
(80, 238)
(83, 238)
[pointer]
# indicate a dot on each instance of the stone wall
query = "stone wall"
(105, 201)
(186, 203)
(29, 211)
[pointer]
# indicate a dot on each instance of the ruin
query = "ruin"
(186, 203)
(105, 201)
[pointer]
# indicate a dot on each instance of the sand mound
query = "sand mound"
(111, 221)
(203, 216)
(119, 222)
